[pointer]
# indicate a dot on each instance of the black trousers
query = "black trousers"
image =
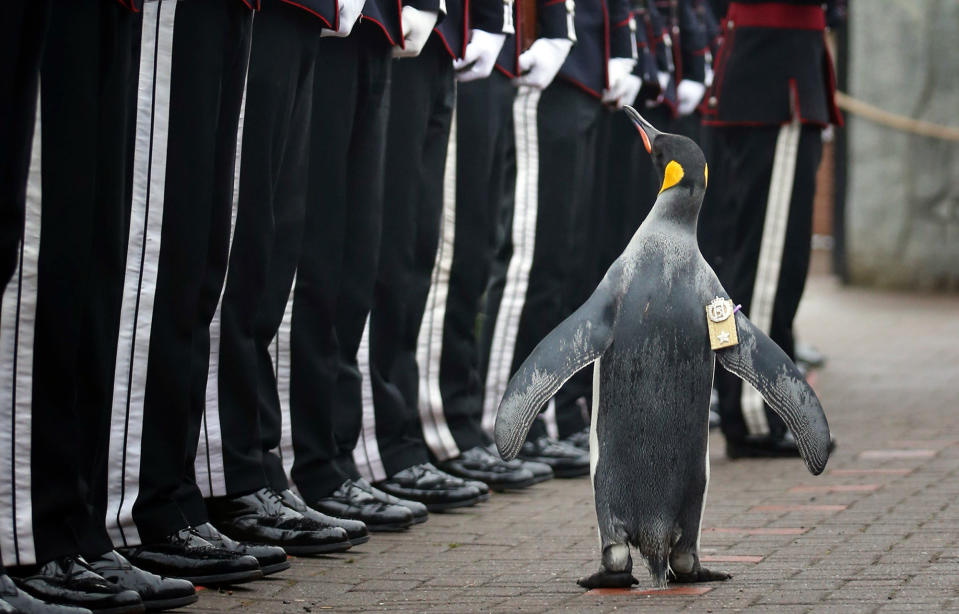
(22, 36)
(77, 204)
(532, 294)
(274, 165)
(452, 419)
(755, 229)
(192, 74)
(421, 111)
(333, 292)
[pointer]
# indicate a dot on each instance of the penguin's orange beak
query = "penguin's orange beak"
(646, 129)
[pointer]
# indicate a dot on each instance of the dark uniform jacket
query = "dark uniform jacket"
(772, 64)
(554, 19)
(464, 15)
(602, 32)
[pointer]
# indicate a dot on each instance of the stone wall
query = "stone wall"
(902, 207)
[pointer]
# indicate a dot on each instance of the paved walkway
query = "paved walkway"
(877, 532)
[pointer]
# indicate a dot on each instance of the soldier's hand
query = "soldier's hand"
(349, 13)
(417, 27)
(479, 57)
(689, 93)
(623, 85)
(539, 64)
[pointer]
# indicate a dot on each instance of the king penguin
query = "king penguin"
(646, 329)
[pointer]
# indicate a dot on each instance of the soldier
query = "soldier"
(771, 96)
(309, 381)
(477, 176)
(555, 134)
(420, 172)
(185, 182)
(59, 321)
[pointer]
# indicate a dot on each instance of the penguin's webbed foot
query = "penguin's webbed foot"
(607, 579)
(700, 574)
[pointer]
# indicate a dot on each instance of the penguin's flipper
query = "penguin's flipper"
(578, 341)
(760, 362)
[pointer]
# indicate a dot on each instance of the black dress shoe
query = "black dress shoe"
(808, 356)
(481, 487)
(426, 484)
(541, 471)
(156, 592)
(767, 447)
(419, 511)
(271, 558)
(14, 600)
(70, 581)
(480, 464)
(261, 518)
(579, 439)
(565, 460)
(352, 501)
(186, 555)
(356, 531)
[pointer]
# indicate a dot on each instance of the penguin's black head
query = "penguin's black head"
(678, 159)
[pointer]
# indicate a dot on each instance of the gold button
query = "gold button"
(712, 101)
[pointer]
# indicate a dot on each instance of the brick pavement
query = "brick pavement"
(877, 532)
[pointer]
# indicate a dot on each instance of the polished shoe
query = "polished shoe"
(13, 600)
(356, 503)
(186, 555)
(767, 447)
(809, 356)
(480, 487)
(69, 581)
(261, 518)
(419, 511)
(541, 471)
(271, 558)
(579, 439)
(480, 464)
(156, 592)
(356, 531)
(565, 460)
(425, 483)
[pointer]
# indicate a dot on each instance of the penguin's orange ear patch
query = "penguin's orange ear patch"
(642, 133)
(673, 175)
(706, 173)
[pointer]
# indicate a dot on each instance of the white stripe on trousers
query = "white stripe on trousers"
(281, 353)
(208, 465)
(524, 240)
(139, 285)
(17, 320)
(429, 343)
(366, 454)
(770, 259)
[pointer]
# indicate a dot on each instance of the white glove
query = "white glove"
(663, 77)
(539, 64)
(689, 94)
(349, 11)
(620, 85)
(479, 57)
(417, 27)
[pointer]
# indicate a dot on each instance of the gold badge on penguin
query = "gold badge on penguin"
(721, 324)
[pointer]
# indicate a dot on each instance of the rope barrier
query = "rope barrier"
(895, 121)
